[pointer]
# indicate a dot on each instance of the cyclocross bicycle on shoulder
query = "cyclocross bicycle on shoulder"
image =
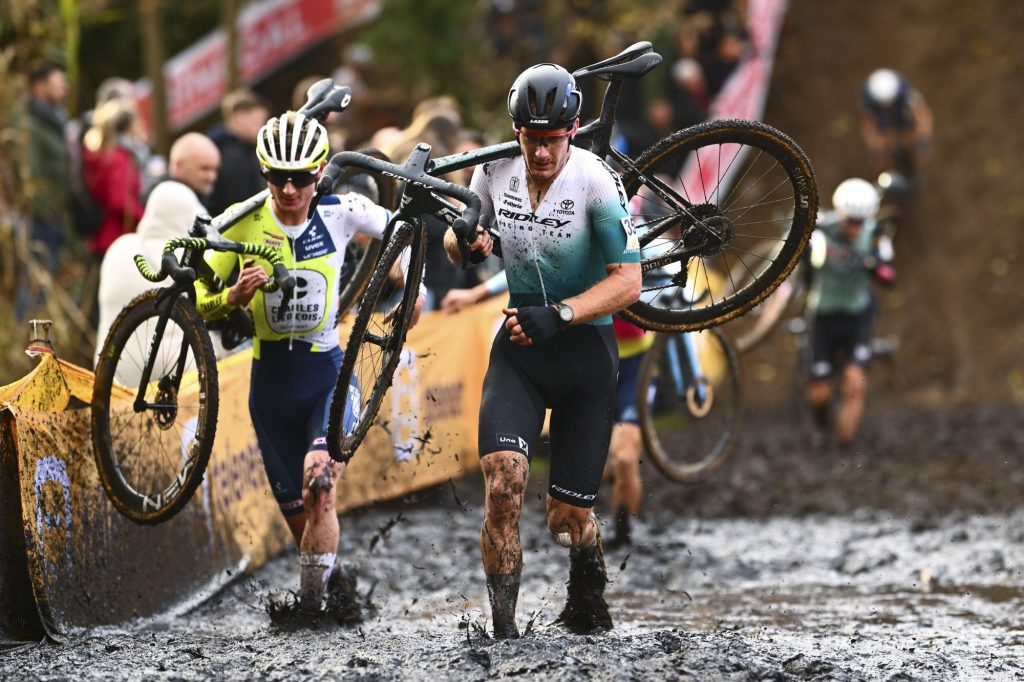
(155, 399)
(703, 199)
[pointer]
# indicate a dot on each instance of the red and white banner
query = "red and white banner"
(743, 96)
(269, 33)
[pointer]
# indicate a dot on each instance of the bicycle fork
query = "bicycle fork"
(687, 376)
(170, 383)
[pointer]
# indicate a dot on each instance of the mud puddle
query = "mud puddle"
(866, 596)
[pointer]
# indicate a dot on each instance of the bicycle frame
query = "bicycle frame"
(204, 234)
(686, 370)
(595, 136)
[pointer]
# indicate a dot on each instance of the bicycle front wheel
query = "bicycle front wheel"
(375, 344)
(705, 203)
(689, 403)
(152, 441)
(361, 254)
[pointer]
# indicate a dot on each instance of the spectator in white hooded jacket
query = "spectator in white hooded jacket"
(170, 211)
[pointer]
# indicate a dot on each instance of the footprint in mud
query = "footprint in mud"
(343, 605)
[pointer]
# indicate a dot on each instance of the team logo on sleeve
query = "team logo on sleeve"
(632, 241)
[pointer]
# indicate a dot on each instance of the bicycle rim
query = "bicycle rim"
(751, 329)
(151, 461)
(361, 256)
(751, 192)
(375, 344)
(688, 434)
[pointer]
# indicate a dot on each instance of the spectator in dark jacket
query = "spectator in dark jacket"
(243, 113)
(46, 187)
(49, 168)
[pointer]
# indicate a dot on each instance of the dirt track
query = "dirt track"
(898, 559)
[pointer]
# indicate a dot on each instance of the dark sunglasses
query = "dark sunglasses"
(299, 179)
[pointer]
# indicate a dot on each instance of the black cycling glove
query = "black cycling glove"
(539, 322)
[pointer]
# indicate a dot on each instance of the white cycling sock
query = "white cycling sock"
(314, 572)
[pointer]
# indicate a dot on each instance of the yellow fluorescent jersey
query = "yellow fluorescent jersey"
(313, 253)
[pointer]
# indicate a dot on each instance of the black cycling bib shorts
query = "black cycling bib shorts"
(574, 374)
(291, 391)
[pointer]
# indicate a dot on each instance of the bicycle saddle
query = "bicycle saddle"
(632, 63)
(324, 98)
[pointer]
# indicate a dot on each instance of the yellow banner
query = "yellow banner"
(88, 565)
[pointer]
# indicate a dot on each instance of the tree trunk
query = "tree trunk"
(229, 18)
(154, 56)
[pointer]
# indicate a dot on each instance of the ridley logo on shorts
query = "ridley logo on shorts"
(507, 441)
(572, 493)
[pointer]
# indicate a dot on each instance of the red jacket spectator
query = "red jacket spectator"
(111, 174)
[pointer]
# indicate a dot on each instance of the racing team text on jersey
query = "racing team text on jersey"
(313, 253)
(561, 249)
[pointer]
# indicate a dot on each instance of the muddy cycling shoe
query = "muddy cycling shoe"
(623, 536)
(342, 599)
(503, 592)
(822, 416)
(586, 611)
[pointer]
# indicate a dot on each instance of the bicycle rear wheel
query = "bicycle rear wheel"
(152, 459)
(688, 424)
(361, 255)
(374, 346)
(745, 185)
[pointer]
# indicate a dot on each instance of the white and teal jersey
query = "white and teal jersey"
(564, 247)
(841, 282)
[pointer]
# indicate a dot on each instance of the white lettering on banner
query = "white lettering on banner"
(187, 86)
(274, 37)
(742, 96)
(271, 31)
(405, 407)
(51, 469)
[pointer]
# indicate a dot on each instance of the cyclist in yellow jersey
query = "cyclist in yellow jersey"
(296, 356)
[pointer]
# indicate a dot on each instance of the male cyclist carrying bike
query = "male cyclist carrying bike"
(846, 252)
(572, 259)
(296, 356)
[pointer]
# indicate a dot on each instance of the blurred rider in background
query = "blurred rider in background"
(847, 252)
(895, 122)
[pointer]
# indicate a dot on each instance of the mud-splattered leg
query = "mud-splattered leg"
(505, 475)
(576, 527)
(851, 405)
(318, 546)
(627, 488)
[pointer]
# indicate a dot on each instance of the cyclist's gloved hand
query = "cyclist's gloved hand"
(481, 245)
(539, 322)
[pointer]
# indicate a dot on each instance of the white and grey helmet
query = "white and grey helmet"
(292, 142)
(856, 199)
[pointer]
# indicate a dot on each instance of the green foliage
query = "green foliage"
(425, 41)
(424, 48)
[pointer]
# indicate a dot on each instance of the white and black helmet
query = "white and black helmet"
(292, 142)
(544, 97)
(856, 199)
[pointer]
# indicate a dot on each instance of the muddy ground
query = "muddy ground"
(899, 558)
